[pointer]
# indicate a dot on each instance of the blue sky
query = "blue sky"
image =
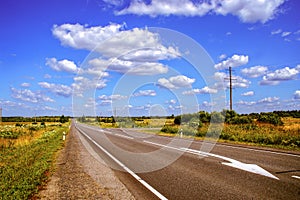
(100, 57)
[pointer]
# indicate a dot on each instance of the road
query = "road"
(157, 167)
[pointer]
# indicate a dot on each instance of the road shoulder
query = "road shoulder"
(79, 175)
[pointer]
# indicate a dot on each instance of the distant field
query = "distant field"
(256, 133)
(27, 152)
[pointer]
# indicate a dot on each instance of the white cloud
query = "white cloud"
(208, 104)
(25, 84)
(297, 94)
(249, 93)
(83, 37)
(205, 90)
(152, 54)
(166, 8)
(112, 97)
(246, 103)
(82, 84)
(62, 65)
(47, 76)
(172, 101)
(113, 41)
(286, 33)
(249, 11)
(136, 51)
(238, 82)
(254, 72)
(222, 56)
(145, 93)
(29, 96)
(268, 100)
(275, 32)
(234, 61)
(175, 82)
(130, 67)
(59, 89)
(284, 74)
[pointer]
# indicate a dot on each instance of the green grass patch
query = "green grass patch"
(24, 168)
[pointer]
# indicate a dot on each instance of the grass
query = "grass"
(286, 136)
(26, 161)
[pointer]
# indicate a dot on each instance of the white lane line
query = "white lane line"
(230, 162)
(243, 148)
(297, 177)
(124, 136)
(260, 150)
(139, 179)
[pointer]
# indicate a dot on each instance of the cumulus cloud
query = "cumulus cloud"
(113, 41)
(82, 84)
(205, 90)
(112, 97)
(129, 67)
(62, 65)
(82, 37)
(248, 11)
(246, 103)
(59, 89)
(249, 93)
(234, 61)
(136, 51)
(166, 8)
(254, 72)
(30, 96)
(284, 74)
(175, 82)
(238, 82)
(297, 94)
(145, 93)
(268, 100)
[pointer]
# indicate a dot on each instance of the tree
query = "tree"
(63, 119)
(177, 120)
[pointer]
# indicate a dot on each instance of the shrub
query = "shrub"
(270, 118)
(169, 129)
(241, 120)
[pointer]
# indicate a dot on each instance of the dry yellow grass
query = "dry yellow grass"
(26, 135)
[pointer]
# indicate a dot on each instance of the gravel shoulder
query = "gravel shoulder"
(82, 174)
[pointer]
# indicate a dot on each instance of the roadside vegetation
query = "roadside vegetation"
(27, 154)
(276, 129)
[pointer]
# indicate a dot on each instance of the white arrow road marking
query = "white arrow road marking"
(297, 177)
(236, 164)
(231, 162)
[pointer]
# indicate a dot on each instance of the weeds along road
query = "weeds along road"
(156, 167)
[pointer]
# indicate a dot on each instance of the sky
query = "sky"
(148, 57)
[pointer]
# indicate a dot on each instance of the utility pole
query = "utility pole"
(230, 87)
(0, 115)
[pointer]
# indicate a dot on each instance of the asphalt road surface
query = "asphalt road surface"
(157, 167)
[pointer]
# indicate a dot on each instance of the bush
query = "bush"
(241, 120)
(270, 118)
(169, 129)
